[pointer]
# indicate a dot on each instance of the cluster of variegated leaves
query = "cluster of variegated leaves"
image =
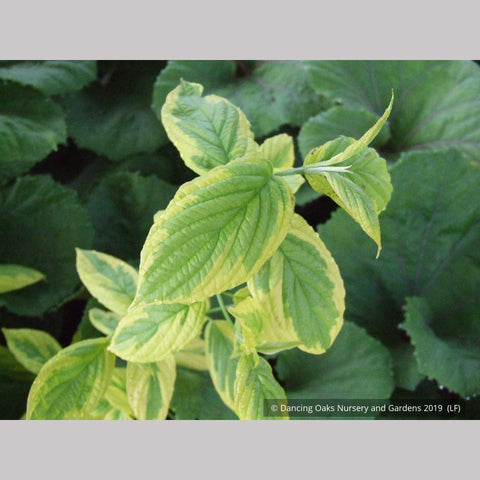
(229, 233)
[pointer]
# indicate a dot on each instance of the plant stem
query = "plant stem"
(320, 169)
(215, 310)
(223, 308)
(228, 294)
(290, 171)
(314, 168)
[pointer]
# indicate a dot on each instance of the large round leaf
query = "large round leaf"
(436, 101)
(122, 207)
(31, 126)
(51, 77)
(41, 223)
(195, 398)
(349, 122)
(431, 238)
(114, 118)
(272, 94)
(356, 367)
(454, 361)
(275, 94)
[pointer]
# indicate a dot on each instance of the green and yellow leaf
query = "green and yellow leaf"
(216, 233)
(366, 138)
(111, 281)
(249, 315)
(115, 414)
(193, 355)
(11, 370)
(105, 322)
(364, 190)
(240, 294)
(220, 339)
(150, 388)
(294, 182)
(207, 131)
(116, 394)
(114, 404)
(255, 383)
(32, 348)
(72, 383)
(14, 277)
(301, 293)
(105, 411)
(152, 332)
(279, 151)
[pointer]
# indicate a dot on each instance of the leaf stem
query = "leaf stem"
(228, 294)
(290, 171)
(315, 168)
(215, 310)
(224, 310)
(319, 170)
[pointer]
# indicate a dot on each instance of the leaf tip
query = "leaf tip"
(390, 105)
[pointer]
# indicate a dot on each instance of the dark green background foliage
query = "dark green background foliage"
(85, 162)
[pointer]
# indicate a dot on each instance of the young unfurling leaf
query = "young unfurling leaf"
(363, 189)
